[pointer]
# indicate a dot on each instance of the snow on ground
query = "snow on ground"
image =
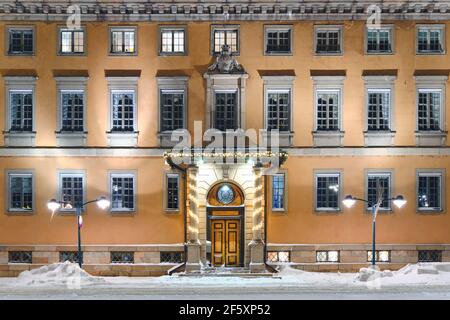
(60, 281)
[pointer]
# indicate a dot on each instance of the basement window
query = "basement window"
(122, 257)
(171, 257)
(71, 256)
(327, 256)
(430, 256)
(380, 256)
(20, 257)
(278, 256)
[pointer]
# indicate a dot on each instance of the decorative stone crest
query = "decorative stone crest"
(225, 62)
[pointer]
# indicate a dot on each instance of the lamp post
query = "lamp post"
(399, 201)
(54, 205)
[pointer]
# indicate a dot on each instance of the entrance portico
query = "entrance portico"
(225, 220)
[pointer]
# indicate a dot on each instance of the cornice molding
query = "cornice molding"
(216, 10)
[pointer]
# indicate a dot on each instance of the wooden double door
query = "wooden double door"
(225, 242)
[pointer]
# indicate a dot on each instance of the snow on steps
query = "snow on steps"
(57, 273)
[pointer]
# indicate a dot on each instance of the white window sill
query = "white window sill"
(379, 138)
(122, 139)
(431, 138)
(165, 138)
(285, 138)
(328, 138)
(70, 139)
(20, 139)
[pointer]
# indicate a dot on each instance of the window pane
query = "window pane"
(278, 108)
(429, 111)
(327, 112)
(72, 111)
(21, 193)
(122, 193)
(123, 112)
(21, 106)
(429, 189)
(226, 111)
(327, 193)
(378, 110)
(278, 191)
(172, 111)
(373, 183)
(72, 190)
(172, 192)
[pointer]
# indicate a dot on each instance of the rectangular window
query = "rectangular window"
(71, 256)
(71, 189)
(429, 197)
(327, 191)
(122, 192)
(328, 40)
(21, 41)
(173, 191)
(278, 192)
(382, 181)
(430, 39)
(226, 110)
(123, 111)
(71, 41)
(172, 109)
(327, 256)
(123, 40)
(380, 256)
(278, 109)
(379, 40)
(429, 109)
(278, 256)
(21, 110)
(171, 257)
(430, 256)
(72, 109)
(378, 110)
(228, 36)
(122, 257)
(327, 110)
(20, 187)
(278, 40)
(173, 40)
(20, 257)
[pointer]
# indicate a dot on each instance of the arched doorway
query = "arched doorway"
(225, 224)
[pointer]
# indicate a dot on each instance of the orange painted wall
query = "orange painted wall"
(150, 224)
(195, 63)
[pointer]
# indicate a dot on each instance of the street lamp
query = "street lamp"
(54, 205)
(399, 201)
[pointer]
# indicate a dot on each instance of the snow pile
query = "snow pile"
(370, 274)
(66, 273)
(420, 273)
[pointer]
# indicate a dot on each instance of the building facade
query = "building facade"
(91, 95)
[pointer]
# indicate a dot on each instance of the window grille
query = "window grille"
(20, 257)
(122, 257)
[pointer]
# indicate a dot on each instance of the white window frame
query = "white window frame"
(431, 173)
(19, 173)
(379, 173)
(339, 29)
(117, 85)
(21, 28)
(112, 29)
(19, 84)
(225, 28)
(70, 173)
(440, 27)
(164, 28)
(167, 175)
(390, 28)
(122, 174)
(328, 173)
(64, 28)
(282, 28)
